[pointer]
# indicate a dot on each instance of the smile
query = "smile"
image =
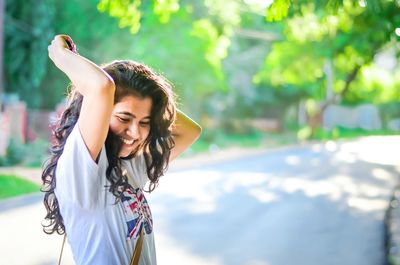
(128, 142)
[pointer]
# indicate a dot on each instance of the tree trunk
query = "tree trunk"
(315, 121)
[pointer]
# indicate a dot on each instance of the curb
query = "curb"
(20, 201)
(392, 229)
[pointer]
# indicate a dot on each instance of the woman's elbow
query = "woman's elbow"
(106, 85)
(196, 132)
(199, 130)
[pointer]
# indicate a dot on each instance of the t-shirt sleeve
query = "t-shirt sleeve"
(78, 177)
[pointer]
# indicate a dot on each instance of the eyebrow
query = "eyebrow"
(131, 115)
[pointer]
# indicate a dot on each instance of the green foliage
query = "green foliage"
(339, 132)
(316, 31)
(292, 64)
(215, 140)
(281, 9)
(215, 45)
(374, 85)
(346, 133)
(28, 31)
(349, 33)
(188, 67)
(189, 49)
(390, 110)
(130, 14)
(97, 36)
(11, 186)
(35, 153)
(278, 10)
(14, 154)
(212, 51)
(304, 133)
(29, 155)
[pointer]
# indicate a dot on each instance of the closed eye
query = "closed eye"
(123, 120)
(144, 123)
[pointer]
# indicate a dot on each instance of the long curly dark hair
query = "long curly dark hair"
(130, 78)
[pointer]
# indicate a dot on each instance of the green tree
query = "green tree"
(97, 35)
(187, 40)
(28, 30)
(345, 34)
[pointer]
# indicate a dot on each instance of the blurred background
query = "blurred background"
(251, 76)
(255, 74)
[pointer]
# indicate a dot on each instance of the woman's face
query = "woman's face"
(130, 120)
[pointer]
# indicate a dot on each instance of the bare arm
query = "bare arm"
(185, 133)
(97, 88)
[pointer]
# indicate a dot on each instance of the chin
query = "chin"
(128, 153)
(125, 154)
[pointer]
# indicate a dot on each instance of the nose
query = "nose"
(133, 131)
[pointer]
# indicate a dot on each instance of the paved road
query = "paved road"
(314, 204)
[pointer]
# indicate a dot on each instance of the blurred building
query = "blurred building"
(13, 121)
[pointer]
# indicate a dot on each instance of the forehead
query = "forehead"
(139, 107)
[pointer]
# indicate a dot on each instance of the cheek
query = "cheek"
(115, 127)
(145, 133)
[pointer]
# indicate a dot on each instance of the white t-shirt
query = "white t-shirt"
(100, 231)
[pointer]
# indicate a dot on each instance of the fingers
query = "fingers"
(70, 43)
(63, 41)
(60, 41)
(58, 47)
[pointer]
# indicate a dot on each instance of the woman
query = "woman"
(119, 132)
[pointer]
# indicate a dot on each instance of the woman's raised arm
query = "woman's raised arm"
(96, 86)
(185, 133)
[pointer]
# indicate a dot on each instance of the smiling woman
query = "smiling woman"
(118, 134)
(130, 120)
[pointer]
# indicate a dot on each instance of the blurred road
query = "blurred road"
(305, 205)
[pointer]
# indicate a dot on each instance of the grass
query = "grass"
(11, 186)
(221, 140)
(345, 133)
(211, 141)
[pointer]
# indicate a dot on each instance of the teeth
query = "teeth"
(127, 141)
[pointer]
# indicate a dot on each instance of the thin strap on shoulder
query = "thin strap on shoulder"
(62, 249)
